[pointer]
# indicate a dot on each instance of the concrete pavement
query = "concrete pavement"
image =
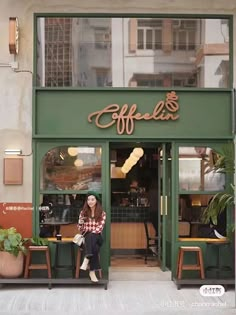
(131, 292)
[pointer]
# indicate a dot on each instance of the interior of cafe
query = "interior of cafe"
(134, 176)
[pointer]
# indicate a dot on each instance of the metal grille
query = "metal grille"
(58, 51)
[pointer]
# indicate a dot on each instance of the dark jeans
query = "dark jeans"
(92, 245)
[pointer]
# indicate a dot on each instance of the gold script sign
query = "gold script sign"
(124, 116)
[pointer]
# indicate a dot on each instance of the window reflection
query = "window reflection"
(191, 223)
(132, 52)
(196, 170)
(58, 214)
(72, 168)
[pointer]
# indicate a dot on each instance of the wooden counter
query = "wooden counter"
(128, 235)
(202, 239)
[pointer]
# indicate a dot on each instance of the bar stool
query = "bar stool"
(180, 263)
(60, 247)
(30, 266)
(78, 263)
(218, 268)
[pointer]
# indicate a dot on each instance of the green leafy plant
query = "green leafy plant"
(12, 242)
(221, 160)
(223, 163)
(38, 241)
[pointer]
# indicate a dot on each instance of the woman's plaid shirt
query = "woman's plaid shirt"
(91, 225)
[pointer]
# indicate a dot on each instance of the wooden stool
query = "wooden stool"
(29, 266)
(180, 264)
(78, 262)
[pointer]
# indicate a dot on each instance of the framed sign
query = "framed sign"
(13, 35)
(13, 171)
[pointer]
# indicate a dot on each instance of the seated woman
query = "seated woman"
(91, 223)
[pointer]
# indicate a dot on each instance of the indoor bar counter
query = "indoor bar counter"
(127, 229)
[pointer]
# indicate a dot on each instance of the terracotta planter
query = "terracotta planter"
(10, 265)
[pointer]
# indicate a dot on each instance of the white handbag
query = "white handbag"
(78, 239)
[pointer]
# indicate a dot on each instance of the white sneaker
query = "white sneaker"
(85, 263)
(92, 276)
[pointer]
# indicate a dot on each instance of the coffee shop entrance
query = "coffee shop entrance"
(162, 188)
(140, 195)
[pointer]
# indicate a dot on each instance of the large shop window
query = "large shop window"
(132, 52)
(198, 183)
(67, 173)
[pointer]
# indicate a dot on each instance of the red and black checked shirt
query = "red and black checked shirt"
(91, 225)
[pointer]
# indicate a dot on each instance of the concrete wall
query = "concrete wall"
(16, 87)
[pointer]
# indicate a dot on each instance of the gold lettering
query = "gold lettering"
(124, 117)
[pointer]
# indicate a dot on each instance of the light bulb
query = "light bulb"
(72, 151)
(138, 152)
(134, 157)
(78, 163)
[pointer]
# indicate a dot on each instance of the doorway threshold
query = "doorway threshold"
(138, 274)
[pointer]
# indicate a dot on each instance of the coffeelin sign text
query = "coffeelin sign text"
(125, 116)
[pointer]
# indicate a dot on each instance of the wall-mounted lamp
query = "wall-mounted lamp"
(13, 151)
(13, 35)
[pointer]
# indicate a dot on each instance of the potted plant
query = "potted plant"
(12, 250)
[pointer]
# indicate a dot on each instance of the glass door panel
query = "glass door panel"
(199, 181)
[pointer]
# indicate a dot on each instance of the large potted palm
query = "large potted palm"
(224, 163)
(12, 250)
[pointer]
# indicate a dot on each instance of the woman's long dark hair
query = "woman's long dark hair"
(87, 213)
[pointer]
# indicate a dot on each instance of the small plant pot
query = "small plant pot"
(10, 265)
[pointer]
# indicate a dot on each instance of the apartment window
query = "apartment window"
(184, 79)
(178, 82)
(70, 49)
(102, 39)
(184, 34)
(148, 81)
(150, 34)
(102, 78)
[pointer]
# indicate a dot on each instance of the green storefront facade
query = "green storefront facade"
(104, 117)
